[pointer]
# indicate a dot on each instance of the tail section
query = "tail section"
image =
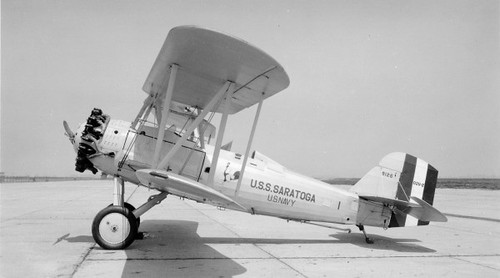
(397, 193)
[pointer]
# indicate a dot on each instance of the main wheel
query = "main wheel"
(114, 228)
(131, 208)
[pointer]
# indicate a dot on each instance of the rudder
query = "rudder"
(398, 178)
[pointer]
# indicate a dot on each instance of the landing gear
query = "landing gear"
(114, 228)
(367, 239)
(131, 208)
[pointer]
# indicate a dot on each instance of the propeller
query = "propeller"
(69, 133)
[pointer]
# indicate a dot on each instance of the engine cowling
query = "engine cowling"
(87, 143)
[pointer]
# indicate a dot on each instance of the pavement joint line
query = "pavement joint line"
(254, 244)
(302, 258)
(472, 217)
(478, 264)
(462, 230)
(83, 259)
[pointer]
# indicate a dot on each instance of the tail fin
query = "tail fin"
(406, 184)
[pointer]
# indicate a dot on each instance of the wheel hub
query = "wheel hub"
(114, 228)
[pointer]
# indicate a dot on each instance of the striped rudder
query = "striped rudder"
(402, 181)
(418, 179)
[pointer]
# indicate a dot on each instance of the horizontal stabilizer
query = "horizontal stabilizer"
(426, 212)
(389, 201)
(419, 208)
(184, 187)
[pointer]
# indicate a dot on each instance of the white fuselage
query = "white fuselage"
(266, 187)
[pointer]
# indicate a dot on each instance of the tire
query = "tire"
(131, 208)
(114, 228)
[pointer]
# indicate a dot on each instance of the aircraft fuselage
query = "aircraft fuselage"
(265, 188)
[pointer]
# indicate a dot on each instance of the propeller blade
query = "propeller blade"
(69, 133)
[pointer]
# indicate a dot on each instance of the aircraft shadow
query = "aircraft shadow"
(163, 232)
(381, 242)
(404, 245)
(170, 248)
(80, 239)
(174, 248)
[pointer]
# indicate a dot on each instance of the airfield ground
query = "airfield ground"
(45, 232)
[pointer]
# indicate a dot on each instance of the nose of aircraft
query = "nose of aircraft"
(85, 138)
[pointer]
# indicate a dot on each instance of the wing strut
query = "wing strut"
(144, 112)
(193, 125)
(164, 114)
(220, 134)
(249, 145)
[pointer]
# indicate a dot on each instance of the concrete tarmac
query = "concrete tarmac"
(46, 232)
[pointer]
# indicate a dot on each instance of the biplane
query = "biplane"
(171, 146)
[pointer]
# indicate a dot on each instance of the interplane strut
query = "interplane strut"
(220, 94)
(164, 114)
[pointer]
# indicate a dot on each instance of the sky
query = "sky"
(367, 78)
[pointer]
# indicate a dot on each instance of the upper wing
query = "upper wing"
(206, 60)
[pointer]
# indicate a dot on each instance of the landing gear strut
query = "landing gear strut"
(116, 226)
(367, 239)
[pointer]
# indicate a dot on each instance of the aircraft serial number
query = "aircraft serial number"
(283, 190)
(388, 175)
(416, 183)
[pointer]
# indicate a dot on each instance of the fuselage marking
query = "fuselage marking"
(288, 193)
